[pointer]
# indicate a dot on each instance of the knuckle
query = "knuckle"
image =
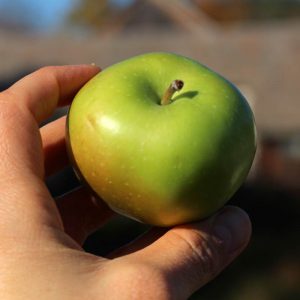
(48, 75)
(12, 105)
(46, 69)
(6, 97)
(201, 250)
(9, 113)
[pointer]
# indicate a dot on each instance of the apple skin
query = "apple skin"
(161, 164)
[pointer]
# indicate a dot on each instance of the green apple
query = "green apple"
(161, 138)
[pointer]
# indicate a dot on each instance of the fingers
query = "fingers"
(53, 139)
(189, 256)
(24, 195)
(82, 214)
(35, 95)
(42, 91)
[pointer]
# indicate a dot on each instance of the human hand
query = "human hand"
(41, 254)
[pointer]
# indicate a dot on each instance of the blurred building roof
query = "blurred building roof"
(262, 59)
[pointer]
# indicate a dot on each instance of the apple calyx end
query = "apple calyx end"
(175, 86)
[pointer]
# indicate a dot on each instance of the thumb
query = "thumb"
(189, 256)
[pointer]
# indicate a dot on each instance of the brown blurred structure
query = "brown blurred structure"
(233, 11)
(104, 16)
(145, 14)
(279, 163)
(225, 11)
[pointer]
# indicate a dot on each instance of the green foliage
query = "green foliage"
(91, 13)
(97, 13)
(269, 9)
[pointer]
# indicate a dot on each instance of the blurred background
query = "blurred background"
(254, 43)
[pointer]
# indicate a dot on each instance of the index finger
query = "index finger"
(49, 87)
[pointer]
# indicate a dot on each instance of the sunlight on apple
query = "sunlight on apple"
(110, 124)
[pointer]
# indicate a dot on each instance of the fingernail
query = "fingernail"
(233, 228)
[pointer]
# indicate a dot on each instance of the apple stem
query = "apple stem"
(175, 86)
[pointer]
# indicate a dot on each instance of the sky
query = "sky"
(40, 15)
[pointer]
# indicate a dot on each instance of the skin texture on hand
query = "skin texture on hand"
(41, 253)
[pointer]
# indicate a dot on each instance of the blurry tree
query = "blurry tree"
(225, 11)
(235, 10)
(266, 9)
(92, 13)
(116, 15)
(98, 13)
